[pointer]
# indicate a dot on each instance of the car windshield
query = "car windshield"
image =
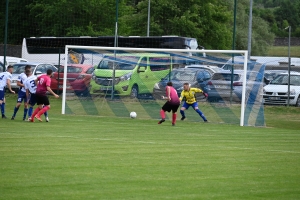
(71, 69)
(182, 75)
(122, 63)
(282, 79)
(18, 69)
(225, 77)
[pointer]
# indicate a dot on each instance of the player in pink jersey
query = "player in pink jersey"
(43, 86)
(172, 104)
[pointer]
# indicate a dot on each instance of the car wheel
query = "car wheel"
(298, 102)
(134, 92)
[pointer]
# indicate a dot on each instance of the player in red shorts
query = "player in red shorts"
(43, 86)
(173, 104)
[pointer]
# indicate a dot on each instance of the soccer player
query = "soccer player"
(172, 103)
(30, 87)
(5, 78)
(43, 85)
(188, 94)
(21, 94)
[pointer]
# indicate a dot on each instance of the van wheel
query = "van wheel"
(134, 92)
(298, 102)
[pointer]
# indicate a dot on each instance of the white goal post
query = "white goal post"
(243, 52)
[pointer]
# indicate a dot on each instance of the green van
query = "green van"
(135, 74)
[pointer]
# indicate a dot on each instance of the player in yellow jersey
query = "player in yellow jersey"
(188, 94)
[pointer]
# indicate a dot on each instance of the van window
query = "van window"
(159, 63)
(121, 63)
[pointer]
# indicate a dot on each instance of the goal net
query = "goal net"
(116, 81)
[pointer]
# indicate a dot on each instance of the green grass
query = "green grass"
(92, 157)
(283, 51)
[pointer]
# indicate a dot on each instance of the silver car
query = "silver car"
(37, 69)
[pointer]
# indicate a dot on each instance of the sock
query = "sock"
(30, 110)
(25, 113)
(3, 108)
(35, 112)
(42, 111)
(46, 114)
(174, 118)
(182, 113)
(15, 111)
(201, 114)
(162, 114)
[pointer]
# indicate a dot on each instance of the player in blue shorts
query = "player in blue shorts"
(190, 100)
(5, 78)
(21, 94)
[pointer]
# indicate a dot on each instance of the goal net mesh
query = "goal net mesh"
(113, 82)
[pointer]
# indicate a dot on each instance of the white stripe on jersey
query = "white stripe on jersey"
(30, 84)
(4, 76)
(22, 78)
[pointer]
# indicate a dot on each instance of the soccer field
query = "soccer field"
(92, 157)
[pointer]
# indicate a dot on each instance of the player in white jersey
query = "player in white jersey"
(30, 87)
(21, 94)
(5, 78)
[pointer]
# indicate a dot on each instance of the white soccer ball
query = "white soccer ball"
(133, 115)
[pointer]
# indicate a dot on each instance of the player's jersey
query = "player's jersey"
(190, 95)
(30, 84)
(173, 95)
(44, 81)
(22, 78)
(4, 76)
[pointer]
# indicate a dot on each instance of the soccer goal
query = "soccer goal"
(114, 81)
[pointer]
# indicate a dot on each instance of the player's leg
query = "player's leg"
(25, 107)
(195, 106)
(19, 102)
(44, 109)
(32, 102)
(166, 107)
(174, 114)
(39, 101)
(184, 107)
(46, 116)
(2, 103)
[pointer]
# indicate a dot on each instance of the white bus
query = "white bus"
(48, 49)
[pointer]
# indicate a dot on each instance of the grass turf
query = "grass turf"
(283, 51)
(90, 157)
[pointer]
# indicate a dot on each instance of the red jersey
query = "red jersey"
(173, 95)
(44, 81)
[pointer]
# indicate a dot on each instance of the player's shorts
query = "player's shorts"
(42, 99)
(2, 92)
(21, 97)
(168, 107)
(187, 105)
(32, 99)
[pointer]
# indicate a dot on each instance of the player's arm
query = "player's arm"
(19, 83)
(181, 96)
(9, 86)
(51, 91)
(200, 91)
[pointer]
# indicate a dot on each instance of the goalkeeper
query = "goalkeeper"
(188, 94)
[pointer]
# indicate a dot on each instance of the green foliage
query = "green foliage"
(211, 22)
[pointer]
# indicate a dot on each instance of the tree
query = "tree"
(205, 20)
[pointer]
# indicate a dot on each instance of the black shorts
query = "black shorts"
(168, 107)
(42, 99)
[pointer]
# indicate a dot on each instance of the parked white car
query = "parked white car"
(276, 92)
(10, 61)
(37, 69)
